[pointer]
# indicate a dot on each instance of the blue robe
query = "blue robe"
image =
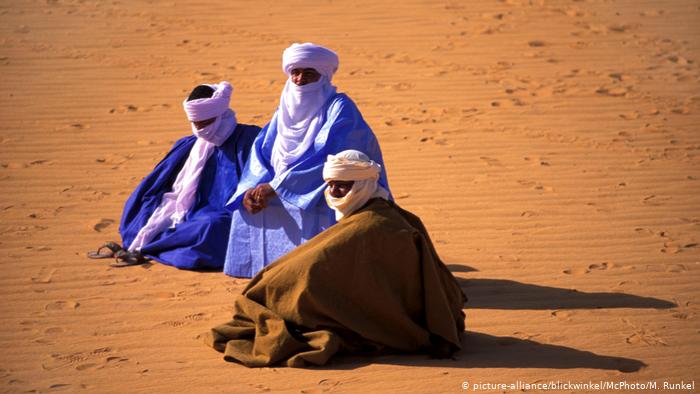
(299, 211)
(199, 242)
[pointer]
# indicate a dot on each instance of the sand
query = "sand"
(552, 149)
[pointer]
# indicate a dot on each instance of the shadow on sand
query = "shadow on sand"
(508, 294)
(460, 268)
(481, 350)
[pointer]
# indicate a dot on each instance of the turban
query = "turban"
(309, 55)
(210, 107)
(352, 165)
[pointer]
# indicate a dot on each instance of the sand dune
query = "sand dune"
(552, 149)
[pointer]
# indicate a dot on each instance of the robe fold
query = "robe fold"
(199, 242)
(299, 210)
(371, 282)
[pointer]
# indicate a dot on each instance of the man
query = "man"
(177, 214)
(371, 282)
(278, 204)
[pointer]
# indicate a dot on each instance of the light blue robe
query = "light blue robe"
(299, 211)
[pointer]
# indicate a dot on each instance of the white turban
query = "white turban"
(214, 107)
(308, 55)
(301, 115)
(209, 107)
(352, 165)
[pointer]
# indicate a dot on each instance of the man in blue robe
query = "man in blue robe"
(177, 214)
(279, 201)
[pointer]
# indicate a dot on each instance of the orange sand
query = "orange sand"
(552, 149)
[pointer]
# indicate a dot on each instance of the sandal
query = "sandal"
(113, 248)
(124, 258)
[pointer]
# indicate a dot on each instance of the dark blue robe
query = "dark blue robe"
(200, 241)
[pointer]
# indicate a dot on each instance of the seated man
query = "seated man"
(371, 282)
(177, 215)
(279, 201)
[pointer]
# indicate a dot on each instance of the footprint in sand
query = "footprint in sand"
(676, 268)
(680, 60)
(57, 360)
(54, 330)
(260, 388)
(124, 108)
(681, 111)
(42, 248)
(491, 162)
(109, 361)
(644, 336)
(627, 282)
(115, 160)
(198, 316)
(59, 387)
(618, 28)
(682, 312)
(171, 323)
(95, 196)
(195, 292)
(655, 200)
(630, 115)
(572, 271)
(619, 91)
(62, 305)
(652, 13)
(597, 267)
(591, 267)
(681, 315)
(14, 165)
(103, 224)
(323, 386)
(39, 162)
(524, 336)
(543, 188)
(44, 275)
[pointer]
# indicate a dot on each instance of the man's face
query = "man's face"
(200, 124)
(339, 189)
(302, 76)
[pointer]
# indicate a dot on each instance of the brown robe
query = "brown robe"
(373, 281)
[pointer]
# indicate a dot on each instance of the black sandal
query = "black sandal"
(125, 258)
(113, 248)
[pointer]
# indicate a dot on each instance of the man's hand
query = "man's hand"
(256, 199)
(249, 202)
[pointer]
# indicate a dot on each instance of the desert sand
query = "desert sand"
(551, 148)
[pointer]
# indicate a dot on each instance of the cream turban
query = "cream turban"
(308, 55)
(352, 165)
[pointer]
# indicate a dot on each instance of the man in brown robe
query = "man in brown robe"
(371, 282)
